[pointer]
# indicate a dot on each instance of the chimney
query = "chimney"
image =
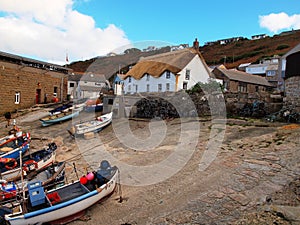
(196, 44)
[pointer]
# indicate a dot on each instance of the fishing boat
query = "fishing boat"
(60, 117)
(93, 125)
(93, 105)
(49, 177)
(11, 145)
(36, 161)
(61, 108)
(66, 201)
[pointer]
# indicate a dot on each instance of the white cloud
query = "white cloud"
(46, 30)
(276, 22)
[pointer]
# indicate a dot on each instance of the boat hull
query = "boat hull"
(93, 126)
(65, 209)
(49, 121)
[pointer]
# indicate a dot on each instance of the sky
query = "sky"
(57, 30)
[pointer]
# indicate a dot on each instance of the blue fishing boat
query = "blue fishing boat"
(11, 170)
(60, 117)
(63, 202)
(94, 108)
(61, 108)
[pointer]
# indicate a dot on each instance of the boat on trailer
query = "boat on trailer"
(66, 201)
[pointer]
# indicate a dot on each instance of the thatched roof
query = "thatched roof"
(112, 64)
(156, 65)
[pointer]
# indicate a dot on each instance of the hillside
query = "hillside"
(236, 53)
(245, 51)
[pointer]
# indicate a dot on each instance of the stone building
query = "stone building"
(292, 77)
(26, 82)
(235, 81)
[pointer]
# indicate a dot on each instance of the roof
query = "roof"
(244, 64)
(32, 62)
(92, 77)
(74, 77)
(292, 51)
(237, 75)
(156, 65)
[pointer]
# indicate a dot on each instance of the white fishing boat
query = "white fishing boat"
(93, 125)
(63, 202)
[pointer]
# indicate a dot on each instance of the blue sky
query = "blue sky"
(182, 21)
(51, 29)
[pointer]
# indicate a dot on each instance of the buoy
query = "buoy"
(83, 180)
(90, 176)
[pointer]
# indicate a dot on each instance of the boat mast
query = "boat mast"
(22, 178)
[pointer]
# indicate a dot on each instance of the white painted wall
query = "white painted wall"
(137, 86)
(198, 73)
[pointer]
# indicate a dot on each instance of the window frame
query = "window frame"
(187, 74)
(17, 97)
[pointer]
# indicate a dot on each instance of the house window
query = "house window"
(129, 88)
(168, 74)
(136, 88)
(147, 77)
(242, 87)
(256, 88)
(159, 87)
(271, 73)
(148, 87)
(72, 85)
(167, 87)
(187, 74)
(129, 79)
(184, 87)
(17, 98)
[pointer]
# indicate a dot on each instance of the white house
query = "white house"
(73, 85)
(171, 71)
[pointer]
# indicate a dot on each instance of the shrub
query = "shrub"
(280, 47)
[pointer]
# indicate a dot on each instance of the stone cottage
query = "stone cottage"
(26, 82)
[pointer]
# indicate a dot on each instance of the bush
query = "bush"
(280, 47)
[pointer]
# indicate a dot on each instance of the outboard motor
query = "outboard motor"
(103, 173)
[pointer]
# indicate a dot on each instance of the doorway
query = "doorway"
(38, 96)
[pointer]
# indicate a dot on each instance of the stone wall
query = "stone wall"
(292, 92)
(166, 105)
(26, 81)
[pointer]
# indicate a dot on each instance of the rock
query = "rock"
(89, 135)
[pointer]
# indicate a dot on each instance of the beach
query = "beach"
(191, 171)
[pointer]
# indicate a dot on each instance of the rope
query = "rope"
(119, 186)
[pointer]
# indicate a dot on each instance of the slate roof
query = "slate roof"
(237, 75)
(93, 77)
